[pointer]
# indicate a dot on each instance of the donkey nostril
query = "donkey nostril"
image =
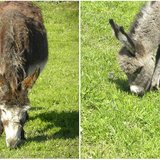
(12, 143)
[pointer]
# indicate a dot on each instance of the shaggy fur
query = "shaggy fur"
(22, 39)
(139, 58)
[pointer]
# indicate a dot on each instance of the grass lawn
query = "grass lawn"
(115, 123)
(52, 131)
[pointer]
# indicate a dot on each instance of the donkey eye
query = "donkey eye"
(3, 111)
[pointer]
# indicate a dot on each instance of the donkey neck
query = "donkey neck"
(146, 26)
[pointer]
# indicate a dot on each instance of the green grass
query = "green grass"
(52, 131)
(115, 123)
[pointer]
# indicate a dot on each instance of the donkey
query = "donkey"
(139, 56)
(23, 55)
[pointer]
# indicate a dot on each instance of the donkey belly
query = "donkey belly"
(33, 67)
(37, 55)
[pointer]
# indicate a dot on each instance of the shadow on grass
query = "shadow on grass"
(121, 84)
(67, 121)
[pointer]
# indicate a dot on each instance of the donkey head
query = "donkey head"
(134, 60)
(14, 107)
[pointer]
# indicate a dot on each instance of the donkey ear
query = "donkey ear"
(29, 81)
(123, 37)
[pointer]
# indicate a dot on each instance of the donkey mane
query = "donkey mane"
(135, 23)
(144, 27)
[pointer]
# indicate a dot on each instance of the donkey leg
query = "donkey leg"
(1, 127)
(23, 135)
(155, 82)
(156, 77)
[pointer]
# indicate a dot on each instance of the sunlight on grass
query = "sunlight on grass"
(52, 130)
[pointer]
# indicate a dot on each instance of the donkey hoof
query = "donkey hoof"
(154, 86)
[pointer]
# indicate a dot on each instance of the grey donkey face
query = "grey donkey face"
(134, 61)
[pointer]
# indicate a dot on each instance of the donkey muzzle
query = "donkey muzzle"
(13, 143)
(137, 90)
